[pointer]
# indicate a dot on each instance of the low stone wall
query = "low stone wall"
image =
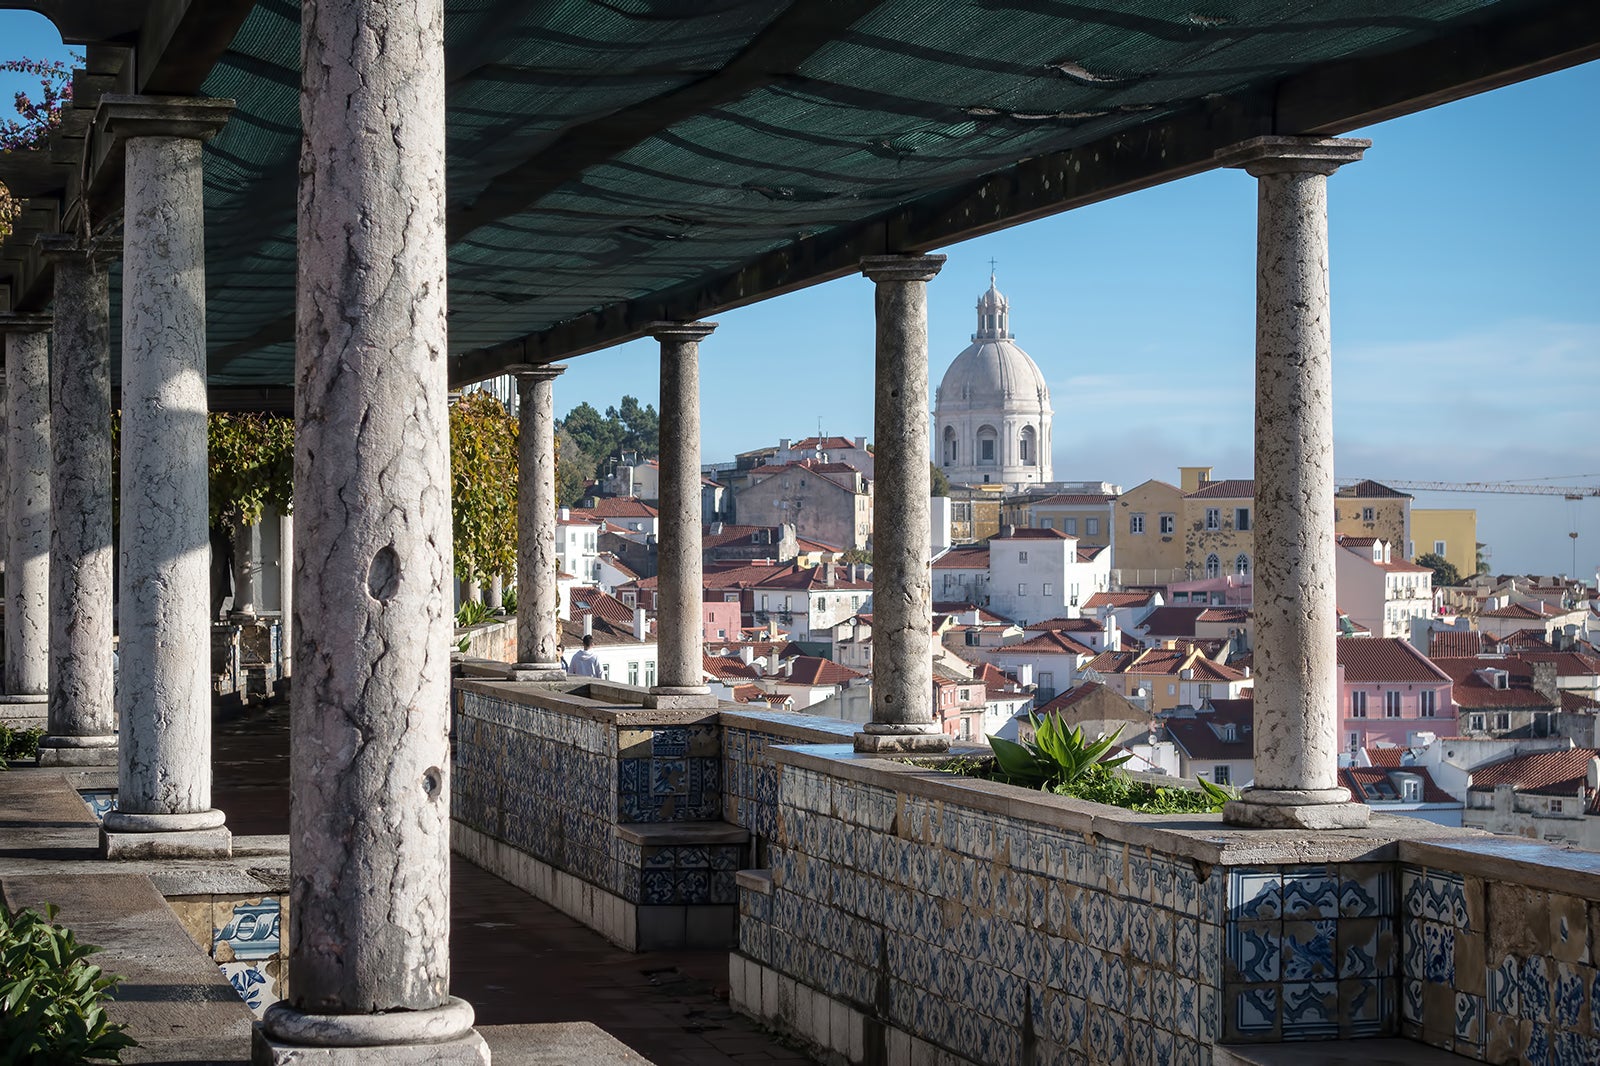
(495, 640)
(1499, 960)
(602, 807)
(750, 771)
(911, 913)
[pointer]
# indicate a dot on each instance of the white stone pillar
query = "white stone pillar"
(164, 692)
(1296, 688)
(902, 581)
(27, 661)
(369, 840)
(680, 590)
(538, 597)
(82, 730)
(246, 566)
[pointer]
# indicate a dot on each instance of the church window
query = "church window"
(1213, 566)
(949, 446)
(986, 445)
(1025, 447)
(1241, 565)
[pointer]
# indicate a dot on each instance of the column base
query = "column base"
(1316, 808)
(399, 1038)
(536, 672)
(78, 751)
(680, 698)
(180, 844)
(23, 697)
(887, 738)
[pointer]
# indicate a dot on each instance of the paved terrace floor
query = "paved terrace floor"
(518, 961)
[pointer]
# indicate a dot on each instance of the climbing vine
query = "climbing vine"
(251, 462)
(483, 486)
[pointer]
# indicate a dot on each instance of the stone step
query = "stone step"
(1373, 1052)
(558, 1044)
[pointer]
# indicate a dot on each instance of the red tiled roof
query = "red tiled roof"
(1224, 614)
(1118, 599)
(1454, 643)
(1369, 660)
(1071, 498)
(621, 507)
(1525, 640)
(1369, 783)
(822, 444)
(1077, 694)
(724, 667)
(966, 557)
(1385, 756)
(733, 534)
(1568, 663)
(1472, 692)
(810, 670)
(586, 600)
(1517, 610)
(964, 610)
(1032, 534)
(1172, 621)
(1051, 642)
(1231, 489)
(615, 563)
(1067, 625)
(1400, 566)
(815, 546)
(1206, 670)
(1371, 490)
(1577, 703)
(1200, 738)
(1553, 773)
(1088, 553)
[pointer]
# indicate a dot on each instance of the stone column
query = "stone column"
(83, 715)
(538, 597)
(164, 692)
(1297, 712)
(902, 581)
(369, 828)
(27, 662)
(680, 666)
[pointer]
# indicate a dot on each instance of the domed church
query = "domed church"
(991, 415)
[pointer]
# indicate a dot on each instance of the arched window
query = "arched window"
(1241, 565)
(988, 445)
(1027, 447)
(949, 445)
(1213, 566)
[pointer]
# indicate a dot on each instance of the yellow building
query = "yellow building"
(1085, 515)
(1450, 533)
(1218, 525)
(975, 512)
(1371, 509)
(1148, 546)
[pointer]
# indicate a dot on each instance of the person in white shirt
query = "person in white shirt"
(585, 663)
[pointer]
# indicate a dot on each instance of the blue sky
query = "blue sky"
(1465, 257)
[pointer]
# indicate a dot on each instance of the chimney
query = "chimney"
(1007, 532)
(855, 572)
(641, 624)
(828, 574)
(1544, 682)
(861, 444)
(588, 623)
(1025, 675)
(976, 619)
(1593, 776)
(747, 655)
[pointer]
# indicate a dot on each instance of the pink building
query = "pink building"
(719, 620)
(1389, 692)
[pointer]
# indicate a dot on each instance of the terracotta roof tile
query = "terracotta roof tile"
(1067, 625)
(1454, 643)
(1118, 599)
(1231, 489)
(1517, 610)
(1051, 642)
(1368, 660)
(810, 670)
(1554, 773)
(1205, 736)
(1378, 783)
(1368, 489)
(965, 557)
(587, 600)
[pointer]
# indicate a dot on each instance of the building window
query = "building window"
(1091, 527)
(1241, 518)
(1022, 588)
(1047, 685)
(1476, 722)
(605, 671)
(1022, 557)
(1069, 526)
(1411, 790)
(1556, 806)
(1048, 587)
(949, 446)
(1391, 703)
(1213, 566)
(1426, 702)
(1438, 547)
(1241, 565)
(1355, 741)
(1502, 720)
(1136, 523)
(986, 442)
(972, 638)
(650, 674)
(1213, 518)
(633, 673)
(1222, 774)
(1025, 448)
(1368, 514)
(1048, 523)
(1169, 523)
(1204, 691)
(1358, 705)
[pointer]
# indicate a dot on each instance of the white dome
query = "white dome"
(992, 410)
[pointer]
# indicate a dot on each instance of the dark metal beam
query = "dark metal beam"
(1521, 40)
(181, 40)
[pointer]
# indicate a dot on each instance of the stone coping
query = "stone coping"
(1531, 863)
(754, 881)
(673, 834)
(804, 728)
(1201, 838)
(605, 701)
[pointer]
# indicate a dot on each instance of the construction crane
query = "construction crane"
(1571, 492)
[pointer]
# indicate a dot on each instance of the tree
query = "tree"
(251, 464)
(573, 470)
(35, 118)
(483, 486)
(597, 436)
(941, 484)
(1445, 574)
(641, 427)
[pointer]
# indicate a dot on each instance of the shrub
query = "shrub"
(471, 613)
(19, 744)
(1055, 756)
(50, 995)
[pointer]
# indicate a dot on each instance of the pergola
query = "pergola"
(357, 213)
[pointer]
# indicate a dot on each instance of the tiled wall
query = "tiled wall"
(242, 934)
(996, 936)
(1499, 971)
(749, 772)
(555, 783)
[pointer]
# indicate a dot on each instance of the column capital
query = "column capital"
(911, 267)
(54, 247)
(536, 371)
(120, 117)
(1260, 156)
(25, 322)
(679, 331)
